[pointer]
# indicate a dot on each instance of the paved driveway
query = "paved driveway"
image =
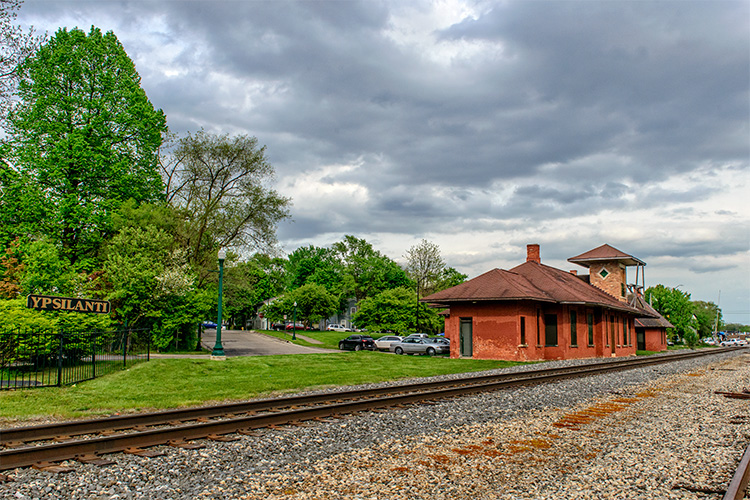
(250, 343)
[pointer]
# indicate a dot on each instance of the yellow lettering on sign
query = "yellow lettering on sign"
(79, 306)
(36, 300)
(89, 305)
(57, 303)
(46, 301)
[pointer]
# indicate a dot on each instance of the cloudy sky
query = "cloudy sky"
(480, 126)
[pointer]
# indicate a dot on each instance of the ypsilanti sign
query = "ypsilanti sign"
(50, 303)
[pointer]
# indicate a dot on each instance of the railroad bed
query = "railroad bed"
(657, 432)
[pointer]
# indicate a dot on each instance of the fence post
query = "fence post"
(125, 337)
(60, 358)
(93, 353)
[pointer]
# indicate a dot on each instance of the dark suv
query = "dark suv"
(357, 343)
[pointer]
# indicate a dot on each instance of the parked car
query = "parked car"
(299, 326)
(416, 345)
(208, 324)
(417, 336)
(733, 343)
(357, 343)
(337, 328)
(441, 340)
(384, 342)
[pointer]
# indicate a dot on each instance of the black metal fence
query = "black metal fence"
(47, 358)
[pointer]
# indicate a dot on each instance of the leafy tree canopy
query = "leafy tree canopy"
(708, 316)
(314, 304)
(675, 305)
(425, 266)
(395, 310)
(317, 265)
(367, 272)
(218, 183)
(85, 135)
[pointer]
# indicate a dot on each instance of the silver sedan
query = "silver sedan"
(384, 342)
(419, 346)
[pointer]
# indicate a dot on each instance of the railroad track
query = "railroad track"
(738, 484)
(87, 440)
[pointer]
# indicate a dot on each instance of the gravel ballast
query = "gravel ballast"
(647, 433)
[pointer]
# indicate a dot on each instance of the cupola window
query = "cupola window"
(603, 273)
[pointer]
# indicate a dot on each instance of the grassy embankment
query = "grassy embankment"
(171, 383)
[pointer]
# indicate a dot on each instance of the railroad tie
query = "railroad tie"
(143, 453)
(222, 439)
(94, 459)
(52, 467)
(248, 432)
(179, 443)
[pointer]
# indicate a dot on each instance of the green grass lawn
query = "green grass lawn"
(172, 383)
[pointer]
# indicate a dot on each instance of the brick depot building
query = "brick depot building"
(537, 312)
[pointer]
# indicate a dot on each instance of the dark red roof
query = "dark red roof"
(605, 253)
(655, 320)
(529, 281)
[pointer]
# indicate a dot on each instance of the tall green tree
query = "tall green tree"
(675, 305)
(85, 137)
(314, 303)
(220, 185)
(367, 272)
(152, 285)
(246, 285)
(708, 316)
(425, 266)
(394, 310)
(311, 264)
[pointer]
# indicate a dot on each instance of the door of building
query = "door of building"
(466, 338)
(550, 329)
(640, 334)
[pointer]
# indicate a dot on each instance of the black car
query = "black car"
(357, 343)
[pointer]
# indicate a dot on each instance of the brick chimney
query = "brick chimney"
(532, 254)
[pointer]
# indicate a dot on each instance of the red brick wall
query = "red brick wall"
(613, 283)
(656, 339)
(497, 331)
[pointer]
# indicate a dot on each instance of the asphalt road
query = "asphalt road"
(249, 343)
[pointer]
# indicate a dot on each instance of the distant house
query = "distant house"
(343, 318)
(536, 312)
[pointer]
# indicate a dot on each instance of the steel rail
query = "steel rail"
(738, 484)
(30, 455)
(76, 428)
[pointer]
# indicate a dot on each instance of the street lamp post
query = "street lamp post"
(218, 348)
(294, 322)
(418, 330)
